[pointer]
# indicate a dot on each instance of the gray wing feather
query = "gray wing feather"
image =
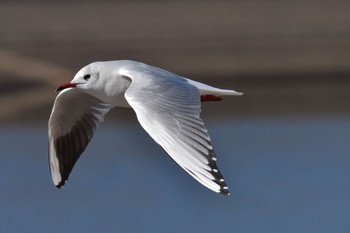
(75, 117)
(168, 108)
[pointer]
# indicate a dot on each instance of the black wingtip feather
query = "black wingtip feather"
(59, 185)
(219, 179)
(225, 192)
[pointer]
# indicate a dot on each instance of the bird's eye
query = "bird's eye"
(86, 77)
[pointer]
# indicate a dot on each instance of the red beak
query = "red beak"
(65, 85)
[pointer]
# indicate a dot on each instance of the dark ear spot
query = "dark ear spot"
(86, 77)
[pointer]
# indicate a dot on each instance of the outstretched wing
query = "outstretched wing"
(168, 108)
(73, 121)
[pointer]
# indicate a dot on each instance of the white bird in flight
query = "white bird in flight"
(167, 106)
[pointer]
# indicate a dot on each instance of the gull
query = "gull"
(167, 106)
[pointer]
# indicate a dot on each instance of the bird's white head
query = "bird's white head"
(101, 80)
(87, 78)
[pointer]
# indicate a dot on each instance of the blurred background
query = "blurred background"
(283, 147)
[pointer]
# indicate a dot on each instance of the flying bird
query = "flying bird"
(167, 106)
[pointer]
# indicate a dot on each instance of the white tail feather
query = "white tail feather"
(209, 90)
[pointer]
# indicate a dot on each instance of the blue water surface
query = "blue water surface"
(284, 174)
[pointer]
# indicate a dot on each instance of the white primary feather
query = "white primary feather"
(168, 108)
